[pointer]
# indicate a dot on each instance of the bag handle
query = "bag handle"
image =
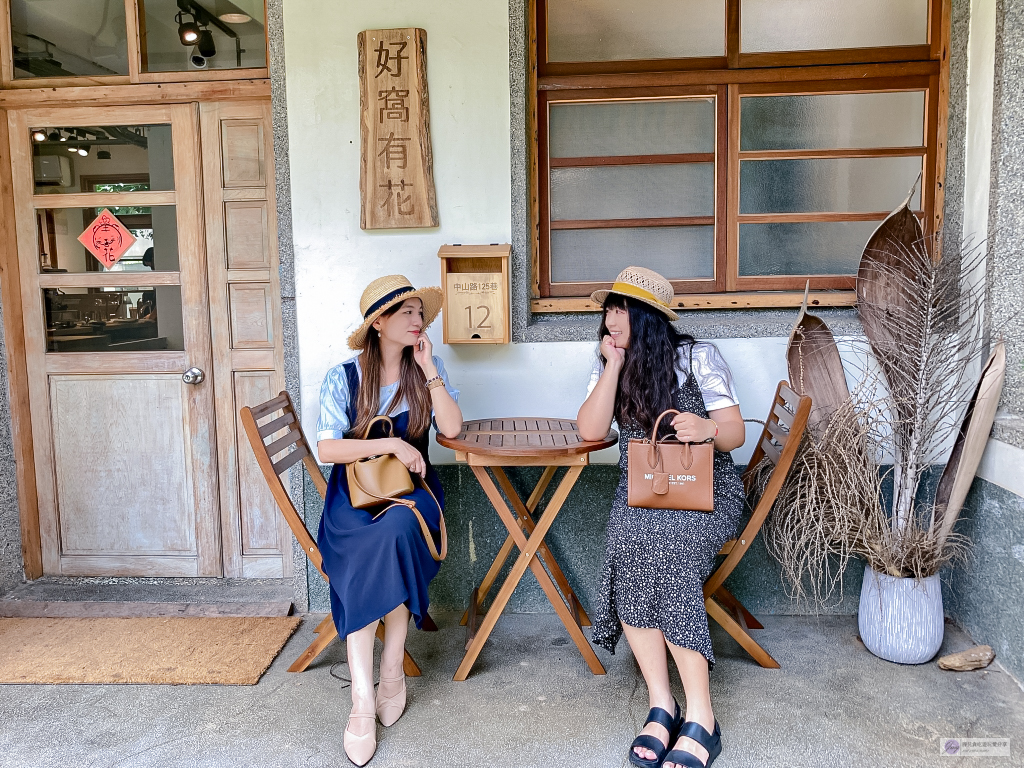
(654, 452)
(395, 501)
(383, 420)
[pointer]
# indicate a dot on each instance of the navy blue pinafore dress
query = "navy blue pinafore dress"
(376, 565)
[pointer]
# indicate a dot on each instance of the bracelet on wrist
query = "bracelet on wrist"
(716, 427)
(435, 382)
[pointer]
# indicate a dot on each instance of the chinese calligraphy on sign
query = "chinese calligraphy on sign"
(107, 239)
(474, 279)
(396, 179)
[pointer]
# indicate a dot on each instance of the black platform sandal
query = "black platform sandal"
(653, 743)
(712, 742)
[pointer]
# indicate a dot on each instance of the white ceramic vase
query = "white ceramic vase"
(901, 619)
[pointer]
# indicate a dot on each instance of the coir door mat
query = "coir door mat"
(152, 651)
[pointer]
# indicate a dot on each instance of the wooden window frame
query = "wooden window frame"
(728, 78)
(133, 24)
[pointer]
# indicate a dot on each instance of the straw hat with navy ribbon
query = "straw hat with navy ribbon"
(645, 285)
(389, 291)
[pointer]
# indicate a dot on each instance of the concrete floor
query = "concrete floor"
(531, 701)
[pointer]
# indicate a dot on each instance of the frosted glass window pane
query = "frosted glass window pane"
(633, 191)
(818, 248)
(811, 25)
(842, 184)
(832, 121)
(617, 30)
(598, 255)
(602, 129)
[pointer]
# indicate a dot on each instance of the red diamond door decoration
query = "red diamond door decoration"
(107, 239)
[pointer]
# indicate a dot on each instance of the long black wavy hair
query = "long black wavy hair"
(648, 380)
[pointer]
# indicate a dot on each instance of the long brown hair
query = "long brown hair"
(648, 381)
(411, 387)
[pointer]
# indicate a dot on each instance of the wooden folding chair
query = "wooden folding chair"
(779, 440)
(288, 424)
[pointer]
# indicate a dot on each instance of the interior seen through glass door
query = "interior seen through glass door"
(66, 38)
(184, 35)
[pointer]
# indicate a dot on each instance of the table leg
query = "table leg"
(527, 559)
(528, 523)
(506, 549)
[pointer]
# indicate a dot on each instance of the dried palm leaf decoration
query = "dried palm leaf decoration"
(915, 393)
(815, 368)
(970, 443)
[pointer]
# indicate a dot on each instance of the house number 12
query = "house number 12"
(483, 320)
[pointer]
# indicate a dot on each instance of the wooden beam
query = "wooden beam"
(256, 73)
(17, 366)
(131, 18)
(732, 33)
(103, 199)
(810, 216)
(748, 300)
(826, 154)
(676, 221)
(582, 162)
(105, 279)
(532, 144)
(722, 186)
(6, 51)
(836, 56)
(732, 188)
(727, 76)
(944, 9)
(144, 93)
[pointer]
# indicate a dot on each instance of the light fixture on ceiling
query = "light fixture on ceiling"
(38, 135)
(232, 11)
(54, 136)
(73, 150)
(103, 155)
(206, 47)
(83, 150)
(188, 31)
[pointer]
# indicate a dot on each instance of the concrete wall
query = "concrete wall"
(984, 594)
(468, 76)
(475, 61)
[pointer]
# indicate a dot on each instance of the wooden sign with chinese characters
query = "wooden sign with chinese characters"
(476, 293)
(396, 172)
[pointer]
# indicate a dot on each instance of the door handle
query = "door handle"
(193, 376)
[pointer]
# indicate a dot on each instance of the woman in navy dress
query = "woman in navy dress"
(380, 566)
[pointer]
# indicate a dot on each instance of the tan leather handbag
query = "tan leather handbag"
(378, 479)
(667, 474)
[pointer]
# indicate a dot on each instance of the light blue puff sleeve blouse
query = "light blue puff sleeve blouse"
(333, 423)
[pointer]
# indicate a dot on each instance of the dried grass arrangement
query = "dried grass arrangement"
(917, 394)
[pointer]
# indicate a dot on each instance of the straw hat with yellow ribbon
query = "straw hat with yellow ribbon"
(389, 291)
(645, 285)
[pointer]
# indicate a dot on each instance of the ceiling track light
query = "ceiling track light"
(38, 135)
(188, 31)
(206, 47)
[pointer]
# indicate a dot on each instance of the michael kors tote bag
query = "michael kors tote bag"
(667, 474)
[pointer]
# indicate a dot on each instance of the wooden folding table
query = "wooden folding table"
(524, 442)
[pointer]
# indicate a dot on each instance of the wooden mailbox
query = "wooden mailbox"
(475, 282)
